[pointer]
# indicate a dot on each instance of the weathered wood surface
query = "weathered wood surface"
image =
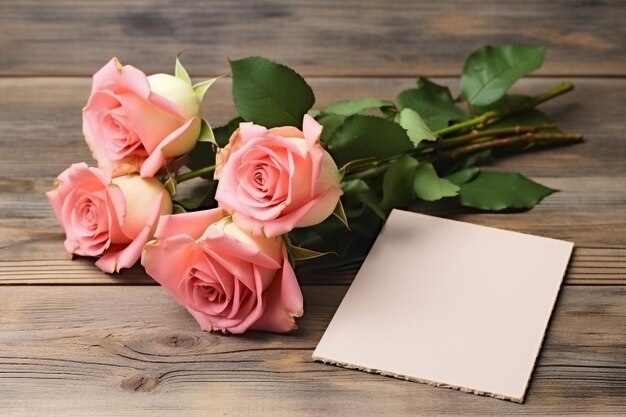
(323, 37)
(77, 342)
(67, 351)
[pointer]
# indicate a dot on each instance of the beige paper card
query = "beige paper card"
(450, 304)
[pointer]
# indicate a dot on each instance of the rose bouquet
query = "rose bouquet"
(285, 185)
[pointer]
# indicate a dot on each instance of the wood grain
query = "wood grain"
(73, 342)
(69, 37)
(77, 342)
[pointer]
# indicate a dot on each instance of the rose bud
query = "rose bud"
(107, 218)
(228, 280)
(278, 179)
(137, 123)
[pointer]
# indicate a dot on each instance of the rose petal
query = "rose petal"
(283, 302)
(249, 131)
(312, 130)
(151, 124)
(178, 142)
(121, 77)
(191, 224)
(237, 249)
(113, 260)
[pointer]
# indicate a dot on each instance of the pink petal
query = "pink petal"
(254, 315)
(191, 224)
(127, 77)
(283, 302)
(249, 131)
(312, 130)
(183, 137)
(248, 224)
(314, 212)
(117, 213)
(286, 132)
(151, 124)
(113, 261)
(168, 260)
(235, 248)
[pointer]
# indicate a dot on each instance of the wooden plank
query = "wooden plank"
(133, 350)
(66, 37)
(40, 123)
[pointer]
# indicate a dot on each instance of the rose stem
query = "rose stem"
(493, 115)
(529, 138)
(194, 174)
(457, 140)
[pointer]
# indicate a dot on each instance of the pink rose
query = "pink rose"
(137, 123)
(227, 279)
(107, 218)
(278, 179)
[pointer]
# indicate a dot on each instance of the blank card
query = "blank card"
(450, 304)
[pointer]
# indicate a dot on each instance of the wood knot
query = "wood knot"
(178, 341)
(140, 383)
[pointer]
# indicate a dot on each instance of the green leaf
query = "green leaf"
(206, 133)
(501, 190)
(509, 103)
(340, 213)
(170, 185)
(330, 122)
(428, 186)
(462, 176)
(398, 183)
(350, 107)
(433, 103)
(300, 254)
(530, 117)
(270, 94)
(181, 72)
(415, 127)
(203, 201)
(178, 209)
(201, 88)
(490, 71)
(359, 190)
(223, 133)
(361, 137)
(477, 159)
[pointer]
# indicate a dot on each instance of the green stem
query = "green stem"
(476, 121)
(194, 174)
(529, 139)
(493, 115)
(458, 140)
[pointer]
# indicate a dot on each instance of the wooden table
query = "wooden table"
(77, 342)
